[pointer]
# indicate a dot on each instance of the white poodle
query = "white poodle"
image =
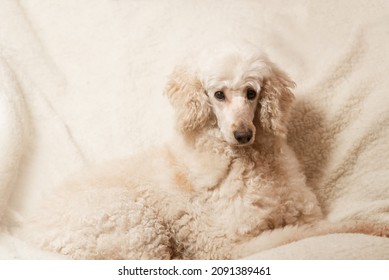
(226, 178)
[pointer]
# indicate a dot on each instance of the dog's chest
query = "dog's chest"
(217, 221)
(239, 205)
(230, 207)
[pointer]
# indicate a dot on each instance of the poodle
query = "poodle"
(226, 181)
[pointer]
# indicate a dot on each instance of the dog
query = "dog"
(225, 182)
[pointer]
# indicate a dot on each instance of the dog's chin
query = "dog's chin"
(237, 145)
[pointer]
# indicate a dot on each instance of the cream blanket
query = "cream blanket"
(81, 82)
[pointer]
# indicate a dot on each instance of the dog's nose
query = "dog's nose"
(243, 137)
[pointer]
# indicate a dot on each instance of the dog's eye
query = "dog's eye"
(219, 95)
(251, 94)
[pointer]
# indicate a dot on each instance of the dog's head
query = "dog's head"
(231, 89)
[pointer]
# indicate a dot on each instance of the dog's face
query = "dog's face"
(233, 85)
(234, 108)
(231, 89)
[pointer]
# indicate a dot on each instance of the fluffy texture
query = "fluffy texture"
(218, 190)
(14, 128)
(207, 192)
(91, 75)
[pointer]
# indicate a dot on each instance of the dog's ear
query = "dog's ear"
(189, 99)
(275, 101)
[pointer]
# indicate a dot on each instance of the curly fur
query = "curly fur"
(199, 197)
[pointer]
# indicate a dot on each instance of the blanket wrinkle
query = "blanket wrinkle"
(352, 154)
(25, 50)
(32, 49)
(338, 70)
(14, 132)
(39, 76)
